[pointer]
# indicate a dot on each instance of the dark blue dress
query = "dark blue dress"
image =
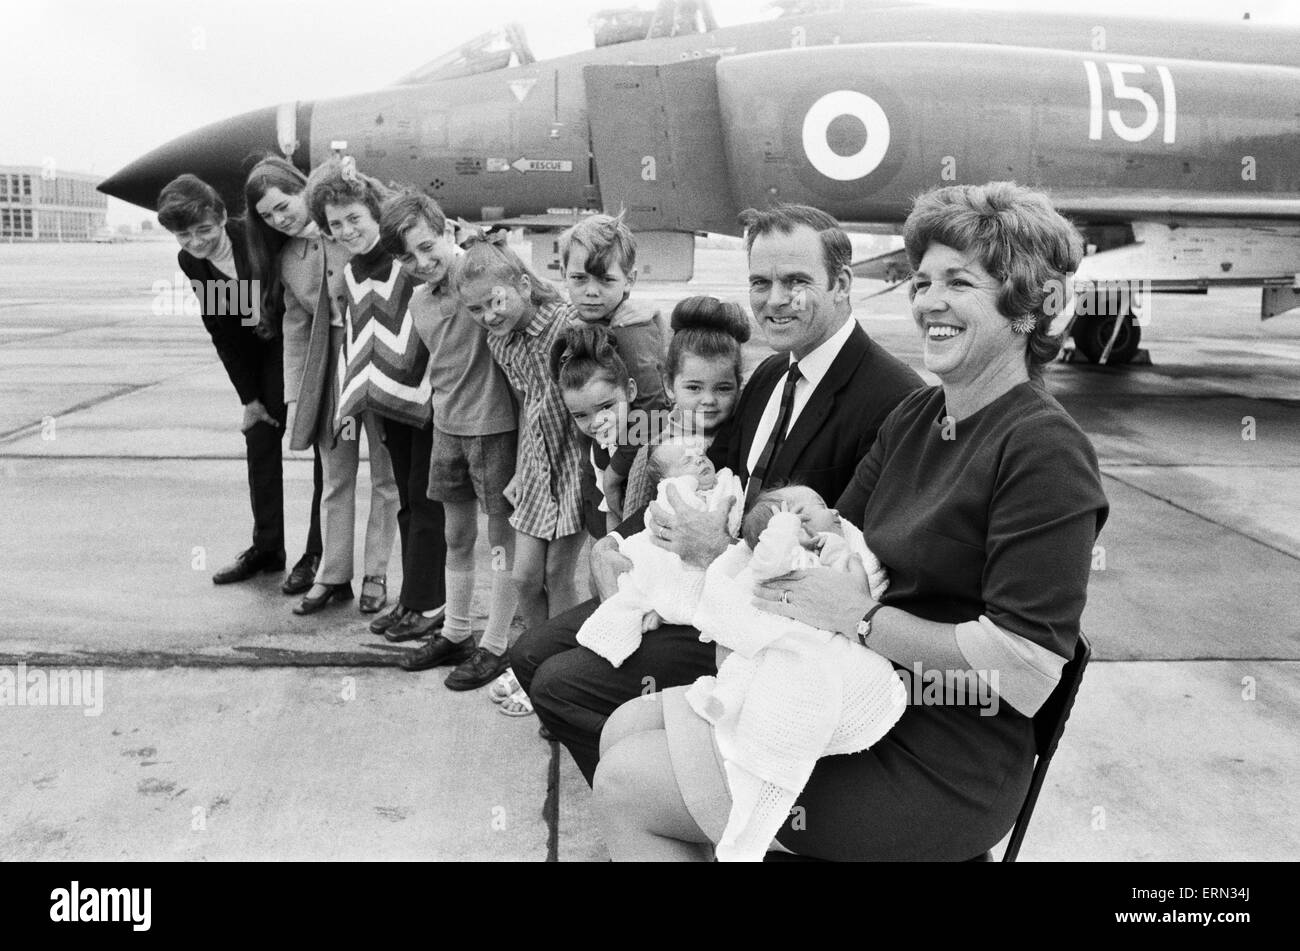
(995, 515)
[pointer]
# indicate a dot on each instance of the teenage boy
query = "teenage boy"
(214, 257)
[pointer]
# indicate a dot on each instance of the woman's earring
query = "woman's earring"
(1024, 324)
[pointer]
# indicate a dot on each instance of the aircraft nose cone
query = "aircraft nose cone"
(220, 154)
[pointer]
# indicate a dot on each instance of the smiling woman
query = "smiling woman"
(983, 499)
(984, 307)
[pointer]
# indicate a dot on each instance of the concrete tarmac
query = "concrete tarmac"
(231, 729)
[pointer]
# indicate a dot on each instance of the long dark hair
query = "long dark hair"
(264, 242)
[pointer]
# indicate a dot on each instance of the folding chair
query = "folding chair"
(1049, 724)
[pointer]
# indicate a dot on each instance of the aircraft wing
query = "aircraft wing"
(547, 222)
(1097, 205)
(891, 267)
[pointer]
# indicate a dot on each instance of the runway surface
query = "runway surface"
(122, 486)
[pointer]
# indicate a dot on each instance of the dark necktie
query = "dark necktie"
(774, 441)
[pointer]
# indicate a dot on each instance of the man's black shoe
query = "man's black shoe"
(482, 667)
(247, 564)
(437, 651)
(414, 626)
(386, 620)
(302, 576)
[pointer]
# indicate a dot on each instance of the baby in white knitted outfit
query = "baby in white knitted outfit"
(659, 587)
(786, 694)
(820, 535)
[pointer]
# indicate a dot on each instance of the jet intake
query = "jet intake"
(658, 141)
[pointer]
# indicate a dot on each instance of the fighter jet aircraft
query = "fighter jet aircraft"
(1174, 146)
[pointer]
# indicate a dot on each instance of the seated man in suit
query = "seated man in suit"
(808, 414)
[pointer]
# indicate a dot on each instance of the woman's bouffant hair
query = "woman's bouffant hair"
(337, 182)
(585, 352)
(1017, 236)
(708, 328)
(490, 256)
(188, 200)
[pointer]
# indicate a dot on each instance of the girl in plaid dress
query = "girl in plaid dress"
(524, 316)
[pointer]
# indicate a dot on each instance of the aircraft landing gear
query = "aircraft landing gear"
(1092, 335)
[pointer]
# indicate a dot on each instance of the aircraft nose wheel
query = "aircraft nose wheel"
(1092, 334)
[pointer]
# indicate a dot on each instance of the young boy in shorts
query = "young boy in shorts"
(598, 257)
(474, 438)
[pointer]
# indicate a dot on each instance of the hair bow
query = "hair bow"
(348, 169)
(474, 234)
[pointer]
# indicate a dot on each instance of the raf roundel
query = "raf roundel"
(817, 123)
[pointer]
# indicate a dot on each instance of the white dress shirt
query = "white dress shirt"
(811, 370)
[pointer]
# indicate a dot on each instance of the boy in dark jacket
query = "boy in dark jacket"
(214, 257)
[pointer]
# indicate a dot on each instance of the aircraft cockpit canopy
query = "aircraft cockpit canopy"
(799, 8)
(668, 18)
(506, 46)
(499, 48)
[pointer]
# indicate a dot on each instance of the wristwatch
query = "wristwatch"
(864, 626)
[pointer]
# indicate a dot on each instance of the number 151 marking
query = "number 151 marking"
(1122, 90)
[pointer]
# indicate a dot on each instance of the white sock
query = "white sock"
(460, 592)
(501, 613)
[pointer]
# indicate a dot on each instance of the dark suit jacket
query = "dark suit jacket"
(838, 425)
(835, 429)
(227, 319)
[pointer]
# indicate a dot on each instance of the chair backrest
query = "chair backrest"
(1049, 724)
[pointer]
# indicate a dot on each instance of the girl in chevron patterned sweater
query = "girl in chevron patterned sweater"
(383, 369)
(309, 276)
(525, 317)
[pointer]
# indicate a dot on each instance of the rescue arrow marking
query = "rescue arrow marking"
(542, 165)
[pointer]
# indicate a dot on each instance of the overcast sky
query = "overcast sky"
(92, 85)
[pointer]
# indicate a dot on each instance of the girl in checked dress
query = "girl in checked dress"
(524, 316)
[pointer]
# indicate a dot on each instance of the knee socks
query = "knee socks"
(460, 593)
(501, 613)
